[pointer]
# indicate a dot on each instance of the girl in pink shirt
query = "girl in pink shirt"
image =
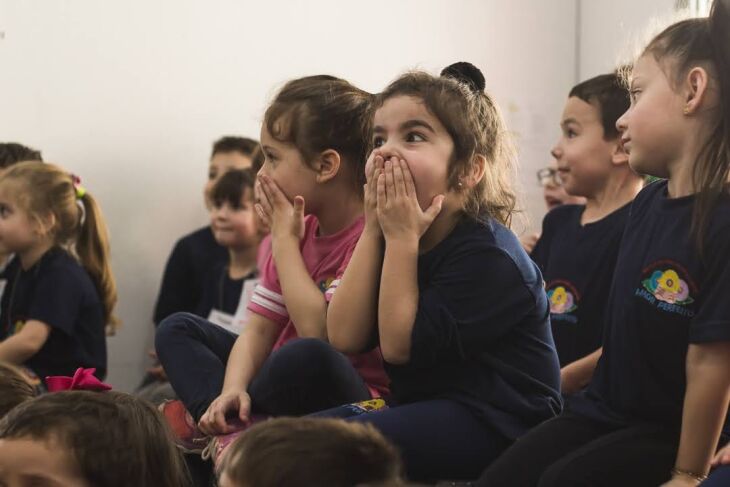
(310, 194)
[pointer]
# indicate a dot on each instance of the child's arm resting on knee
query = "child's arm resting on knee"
(351, 317)
(21, 346)
(576, 375)
(705, 406)
(251, 349)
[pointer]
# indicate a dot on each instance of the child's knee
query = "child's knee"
(171, 326)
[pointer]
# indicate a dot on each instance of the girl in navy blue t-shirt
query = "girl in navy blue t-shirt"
(58, 293)
(443, 286)
(655, 408)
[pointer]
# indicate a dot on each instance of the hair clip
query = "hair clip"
(83, 380)
(80, 190)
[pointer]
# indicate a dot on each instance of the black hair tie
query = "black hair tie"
(466, 73)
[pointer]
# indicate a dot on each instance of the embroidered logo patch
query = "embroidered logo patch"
(563, 297)
(668, 286)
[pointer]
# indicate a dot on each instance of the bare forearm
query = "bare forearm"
(15, 351)
(305, 302)
(398, 301)
(576, 375)
(705, 405)
(20, 347)
(352, 316)
(252, 347)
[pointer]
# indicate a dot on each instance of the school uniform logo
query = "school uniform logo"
(563, 298)
(668, 286)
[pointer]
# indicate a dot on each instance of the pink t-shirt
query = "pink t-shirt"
(326, 259)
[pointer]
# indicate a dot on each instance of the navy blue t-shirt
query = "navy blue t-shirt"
(182, 283)
(482, 332)
(220, 292)
(664, 297)
(60, 293)
(577, 263)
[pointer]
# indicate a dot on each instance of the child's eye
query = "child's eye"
(4, 210)
(415, 137)
(634, 94)
(212, 175)
(570, 133)
(269, 156)
(378, 141)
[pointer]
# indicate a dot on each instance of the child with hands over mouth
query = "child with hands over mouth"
(442, 285)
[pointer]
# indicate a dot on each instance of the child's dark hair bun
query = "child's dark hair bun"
(466, 73)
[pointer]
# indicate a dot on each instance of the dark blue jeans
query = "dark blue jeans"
(438, 439)
(303, 376)
(720, 477)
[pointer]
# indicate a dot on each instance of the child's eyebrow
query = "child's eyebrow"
(416, 123)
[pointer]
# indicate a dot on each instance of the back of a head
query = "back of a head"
(15, 389)
(311, 452)
(12, 152)
(609, 95)
(116, 439)
(322, 112)
(243, 145)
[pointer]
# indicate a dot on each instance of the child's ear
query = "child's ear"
(475, 172)
(695, 89)
(44, 224)
(619, 156)
(327, 165)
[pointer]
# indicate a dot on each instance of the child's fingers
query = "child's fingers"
(389, 182)
(433, 211)
(374, 185)
(408, 178)
(273, 193)
(262, 214)
(266, 206)
(299, 206)
(381, 196)
(400, 189)
(370, 165)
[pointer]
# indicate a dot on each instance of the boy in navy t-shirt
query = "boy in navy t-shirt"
(579, 244)
(193, 255)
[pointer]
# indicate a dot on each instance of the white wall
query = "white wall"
(130, 95)
(611, 30)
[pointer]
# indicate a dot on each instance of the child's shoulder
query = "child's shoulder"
(63, 269)
(561, 217)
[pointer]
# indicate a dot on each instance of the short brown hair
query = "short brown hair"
(14, 388)
(116, 439)
(322, 112)
(311, 452)
(12, 152)
(473, 121)
(608, 93)
(243, 145)
(231, 187)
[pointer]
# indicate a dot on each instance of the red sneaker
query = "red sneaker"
(185, 432)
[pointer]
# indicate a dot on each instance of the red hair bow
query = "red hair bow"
(83, 380)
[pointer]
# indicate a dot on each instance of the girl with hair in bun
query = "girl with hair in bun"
(442, 285)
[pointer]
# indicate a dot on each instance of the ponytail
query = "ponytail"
(92, 249)
(689, 43)
(79, 225)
